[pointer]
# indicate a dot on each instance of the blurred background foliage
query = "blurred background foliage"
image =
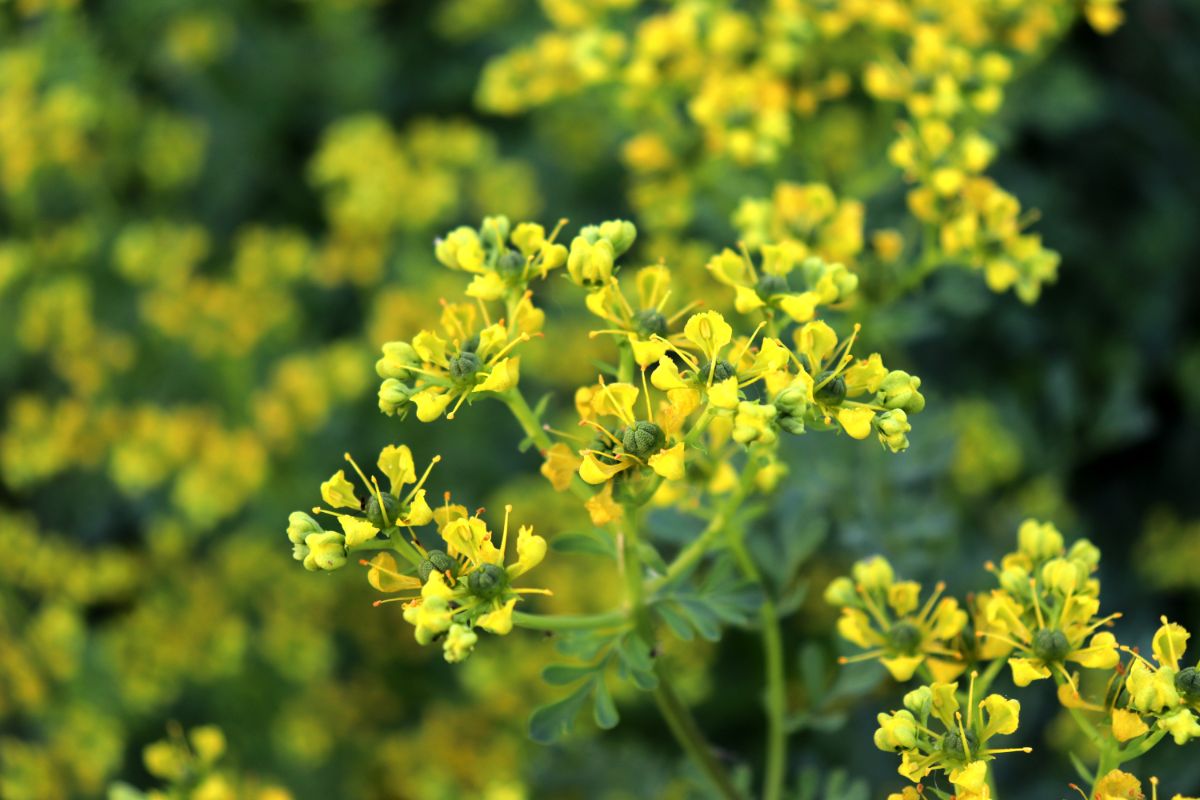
(212, 214)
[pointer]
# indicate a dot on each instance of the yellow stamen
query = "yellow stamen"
(683, 312)
(962, 735)
(938, 588)
(742, 353)
(504, 536)
(425, 476)
(462, 398)
(387, 523)
(749, 262)
(1170, 643)
(646, 392)
(1037, 606)
(524, 337)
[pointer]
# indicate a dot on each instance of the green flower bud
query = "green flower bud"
(832, 392)
(397, 358)
(893, 428)
(590, 264)
(873, 573)
(722, 371)
(899, 390)
(436, 561)
(393, 396)
(494, 231)
(464, 366)
(792, 401)
(301, 525)
(1051, 645)
(840, 592)
(1085, 553)
(643, 439)
(769, 285)
(488, 582)
(390, 508)
(651, 323)
(620, 232)
(792, 425)
(326, 551)
(919, 701)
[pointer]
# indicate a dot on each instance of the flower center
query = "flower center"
(1051, 644)
(376, 513)
(770, 285)
(643, 438)
(833, 392)
(488, 582)
(723, 370)
(650, 323)
(952, 744)
(904, 636)
(464, 366)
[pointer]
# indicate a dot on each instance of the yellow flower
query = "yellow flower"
(1127, 725)
(883, 617)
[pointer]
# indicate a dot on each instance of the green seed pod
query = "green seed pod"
(1187, 683)
(952, 744)
(1051, 645)
(464, 366)
(833, 392)
(643, 438)
(488, 582)
(376, 513)
(650, 323)
(905, 637)
(511, 265)
(721, 372)
(769, 285)
(436, 561)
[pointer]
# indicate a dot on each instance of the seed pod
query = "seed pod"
(643, 438)
(488, 582)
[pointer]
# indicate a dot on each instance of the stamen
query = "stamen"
(1153, 787)
(687, 358)
(876, 612)
(487, 320)
(1037, 606)
(938, 588)
(749, 262)
(1170, 643)
(504, 536)
(416, 488)
(742, 353)
(867, 656)
(546, 592)
(524, 337)
(646, 392)
(387, 523)
(663, 302)
(617, 410)
(683, 312)
(563, 434)
(602, 430)
(962, 733)
(462, 398)
(971, 692)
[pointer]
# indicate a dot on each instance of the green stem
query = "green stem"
(775, 700)
(687, 733)
(1085, 724)
(581, 622)
(532, 427)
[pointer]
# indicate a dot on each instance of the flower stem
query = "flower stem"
(543, 622)
(687, 733)
(775, 699)
(532, 427)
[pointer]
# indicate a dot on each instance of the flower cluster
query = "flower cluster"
(960, 745)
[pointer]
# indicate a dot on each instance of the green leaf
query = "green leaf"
(565, 674)
(673, 620)
(604, 710)
(587, 542)
(635, 662)
(551, 722)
